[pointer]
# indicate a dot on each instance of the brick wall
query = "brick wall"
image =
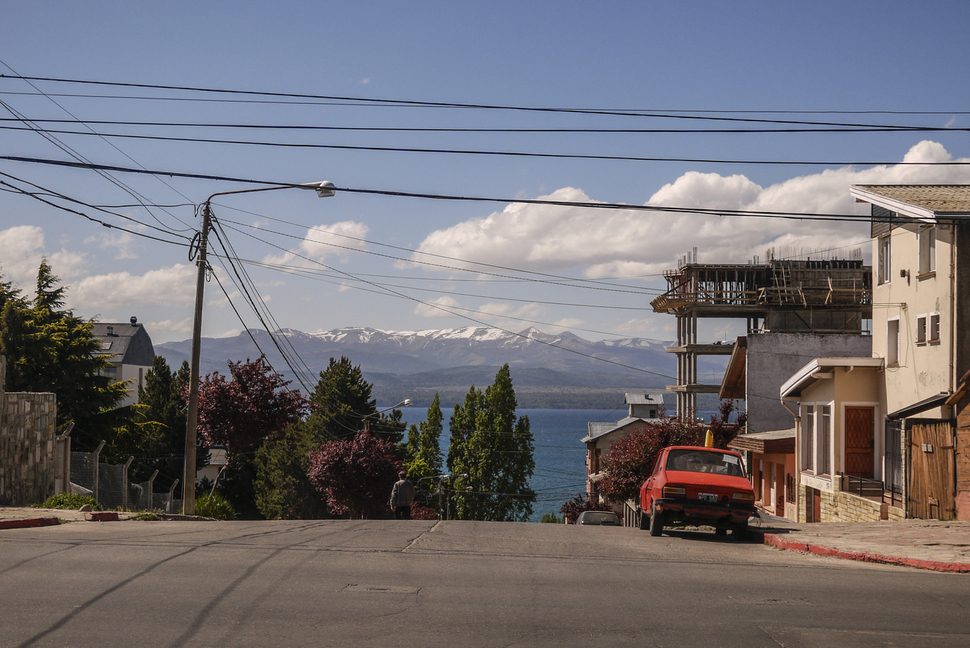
(27, 423)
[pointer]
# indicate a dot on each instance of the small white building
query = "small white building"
(131, 353)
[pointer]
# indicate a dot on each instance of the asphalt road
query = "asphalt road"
(385, 583)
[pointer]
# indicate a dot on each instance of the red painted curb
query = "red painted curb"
(26, 524)
(101, 516)
(793, 545)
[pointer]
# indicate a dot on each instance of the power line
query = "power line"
(516, 154)
(690, 115)
(450, 197)
(488, 130)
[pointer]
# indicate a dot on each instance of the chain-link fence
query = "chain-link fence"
(110, 486)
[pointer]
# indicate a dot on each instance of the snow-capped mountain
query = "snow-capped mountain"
(399, 361)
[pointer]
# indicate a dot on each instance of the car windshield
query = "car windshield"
(704, 461)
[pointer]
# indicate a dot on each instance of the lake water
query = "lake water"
(560, 458)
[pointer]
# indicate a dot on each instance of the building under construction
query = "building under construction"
(789, 296)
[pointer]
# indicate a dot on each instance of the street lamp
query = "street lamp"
(324, 189)
(404, 403)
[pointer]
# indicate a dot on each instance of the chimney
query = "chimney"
(133, 320)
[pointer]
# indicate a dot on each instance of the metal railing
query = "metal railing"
(871, 489)
(110, 486)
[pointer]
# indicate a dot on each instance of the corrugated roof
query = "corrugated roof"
(647, 398)
(940, 199)
(596, 430)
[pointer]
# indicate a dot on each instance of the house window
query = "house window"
(927, 249)
(892, 342)
(808, 438)
(885, 266)
(824, 439)
(934, 331)
(921, 329)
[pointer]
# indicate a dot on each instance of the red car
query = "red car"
(693, 485)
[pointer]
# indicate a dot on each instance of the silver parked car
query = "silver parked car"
(602, 518)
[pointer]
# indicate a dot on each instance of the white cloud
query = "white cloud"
(23, 249)
(429, 309)
(166, 328)
(321, 241)
(175, 285)
(120, 242)
(616, 242)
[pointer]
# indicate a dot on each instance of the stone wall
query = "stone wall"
(846, 507)
(27, 424)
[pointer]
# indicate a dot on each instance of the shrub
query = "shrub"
(571, 509)
(550, 518)
(213, 505)
(71, 501)
(421, 512)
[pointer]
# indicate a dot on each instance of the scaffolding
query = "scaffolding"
(817, 296)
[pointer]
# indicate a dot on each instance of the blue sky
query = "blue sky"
(364, 260)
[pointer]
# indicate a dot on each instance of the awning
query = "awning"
(916, 408)
(771, 442)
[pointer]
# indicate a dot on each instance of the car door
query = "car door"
(646, 501)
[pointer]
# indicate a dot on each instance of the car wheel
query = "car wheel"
(656, 522)
(644, 519)
(741, 533)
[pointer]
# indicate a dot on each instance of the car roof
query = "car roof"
(721, 450)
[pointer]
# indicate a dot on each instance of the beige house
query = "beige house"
(875, 437)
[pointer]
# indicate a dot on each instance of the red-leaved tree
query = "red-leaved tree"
(630, 456)
(239, 414)
(355, 476)
(578, 504)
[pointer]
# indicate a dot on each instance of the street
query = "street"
(386, 583)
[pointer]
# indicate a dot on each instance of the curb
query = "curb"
(28, 523)
(819, 550)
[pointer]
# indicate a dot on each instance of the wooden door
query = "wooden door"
(860, 441)
(931, 471)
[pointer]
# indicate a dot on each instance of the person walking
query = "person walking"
(402, 495)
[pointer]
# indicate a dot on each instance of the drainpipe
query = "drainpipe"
(953, 292)
(798, 472)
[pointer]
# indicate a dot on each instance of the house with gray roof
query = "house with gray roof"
(130, 351)
(643, 406)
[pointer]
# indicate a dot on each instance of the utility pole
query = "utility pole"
(192, 421)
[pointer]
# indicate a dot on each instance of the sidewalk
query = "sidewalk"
(923, 544)
(15, 517)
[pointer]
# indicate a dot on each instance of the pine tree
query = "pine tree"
(163, 406)
(48, 349)
(495, 450)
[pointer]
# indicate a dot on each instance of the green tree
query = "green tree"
(341, 401)
(49, 349)
(423, 449)
(164, 405)
(491, 453)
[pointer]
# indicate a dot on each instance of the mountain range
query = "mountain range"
(562, 371)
